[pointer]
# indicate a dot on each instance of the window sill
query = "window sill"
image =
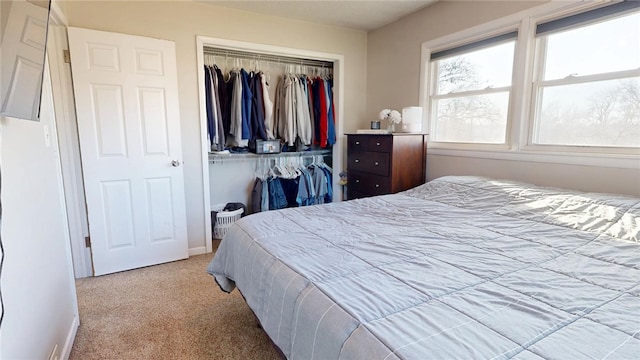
(625, 161)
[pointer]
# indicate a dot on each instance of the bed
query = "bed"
(457, 268)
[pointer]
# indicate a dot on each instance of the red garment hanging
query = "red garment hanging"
(324, 120)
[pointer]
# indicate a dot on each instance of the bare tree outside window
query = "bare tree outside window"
(589, 91)
(605, 114)
(473, 99)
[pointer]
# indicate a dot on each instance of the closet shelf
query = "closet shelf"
(280, 59)
(215, 158)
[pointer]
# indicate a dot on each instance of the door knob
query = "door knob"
(175, 163)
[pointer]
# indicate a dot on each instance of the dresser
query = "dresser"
(384, 164)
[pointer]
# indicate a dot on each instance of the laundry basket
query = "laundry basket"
(224, 220)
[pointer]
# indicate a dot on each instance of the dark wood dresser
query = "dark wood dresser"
(384, 164)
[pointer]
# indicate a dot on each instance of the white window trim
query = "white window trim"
(518, 145)
(466, 93)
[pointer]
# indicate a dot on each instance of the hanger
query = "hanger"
(280, 170)
(261, 170)
(256, 170)
(267, 66)
(325, 164)
(290, 168)
(296, 165)
(269, 169)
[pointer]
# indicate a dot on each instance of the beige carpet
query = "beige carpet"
(168, 311)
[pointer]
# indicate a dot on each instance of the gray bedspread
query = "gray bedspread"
(458, 268)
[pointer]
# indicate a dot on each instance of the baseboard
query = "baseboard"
(197, 251)
(71, 336)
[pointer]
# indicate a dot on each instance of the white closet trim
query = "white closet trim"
(338, 96)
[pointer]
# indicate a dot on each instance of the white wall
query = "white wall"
(393, 81)
(182, 21)
(566, 176)
(37, 279)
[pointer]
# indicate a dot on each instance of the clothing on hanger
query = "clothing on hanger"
(223, 96)
(290, 183)
(268, 107)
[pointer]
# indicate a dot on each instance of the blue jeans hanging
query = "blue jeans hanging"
(277, 199)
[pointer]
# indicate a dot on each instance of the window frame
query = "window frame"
(538, 84)
(434, 96)
(431, 69)
(519, 144)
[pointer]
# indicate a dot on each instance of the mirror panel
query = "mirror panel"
(24, 37)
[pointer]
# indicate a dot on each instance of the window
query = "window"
(566, 81)
(586, 89)
(472, 87)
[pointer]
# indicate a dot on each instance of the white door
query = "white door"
(126, 94)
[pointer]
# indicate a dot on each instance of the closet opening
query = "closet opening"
(287, 127)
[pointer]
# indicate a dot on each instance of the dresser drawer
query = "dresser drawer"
(354, 194)
(358, 143)
(380, 143)
(369, 161)
(360, 182)
(377, 143)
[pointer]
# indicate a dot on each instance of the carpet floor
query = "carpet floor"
(168, 311)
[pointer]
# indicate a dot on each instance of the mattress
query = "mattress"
(457, 268)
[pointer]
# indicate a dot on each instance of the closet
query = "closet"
(234, 166)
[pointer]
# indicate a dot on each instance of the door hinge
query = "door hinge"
(87, 241)
(67, 56)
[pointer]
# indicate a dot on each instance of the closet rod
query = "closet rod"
(266, 57)
(215, 158)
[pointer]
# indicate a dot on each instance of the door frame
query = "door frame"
(69, 146)
(338, 86)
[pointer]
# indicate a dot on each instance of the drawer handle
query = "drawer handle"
(356, 160)
(377, 185)
(376, 163)
(357, 142)
(377, 144)
(357, 181)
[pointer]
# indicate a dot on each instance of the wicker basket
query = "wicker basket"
(224, 220)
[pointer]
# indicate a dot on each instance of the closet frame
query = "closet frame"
(272, 50)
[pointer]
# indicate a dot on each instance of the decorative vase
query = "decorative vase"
(391, 127)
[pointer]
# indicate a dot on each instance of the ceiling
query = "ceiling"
(363, 15)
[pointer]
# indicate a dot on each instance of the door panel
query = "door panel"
(129, 128)
(108, 115)
(154, 121)
(118, 212)
(103, 57)
(160, 208)
(149, 62)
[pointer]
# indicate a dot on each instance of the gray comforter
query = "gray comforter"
(458, 268)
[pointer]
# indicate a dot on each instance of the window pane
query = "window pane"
(488, 67)
(604, 113)
(471, 119)
(604, 47)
